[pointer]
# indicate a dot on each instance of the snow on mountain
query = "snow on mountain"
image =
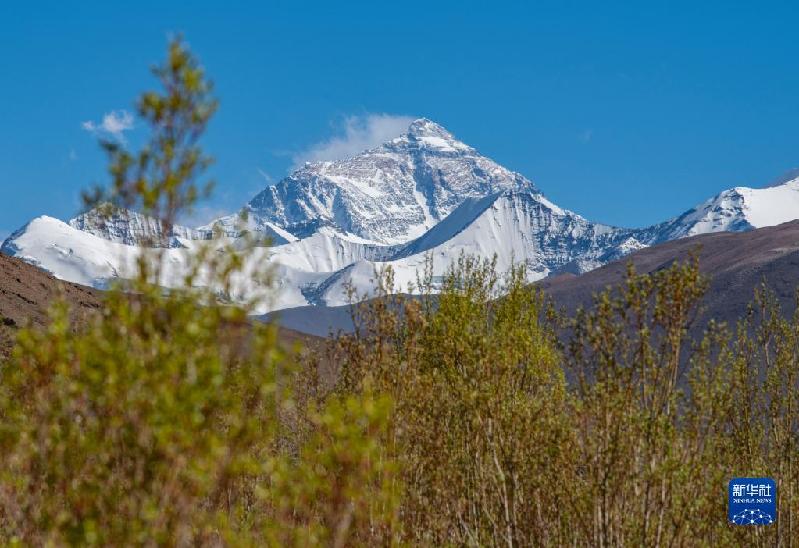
(131, 228)
(85, 258)
(327, 251)
(232, 226)
(735, 210)
(70, 253)
(330, 225)
(517, 227)
(390, 194)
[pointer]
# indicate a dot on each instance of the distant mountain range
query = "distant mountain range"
(735, 262)
(424, 193)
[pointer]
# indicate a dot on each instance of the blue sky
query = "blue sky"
(626, 112)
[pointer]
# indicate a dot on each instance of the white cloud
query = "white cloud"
(114, 124)
(354, 135)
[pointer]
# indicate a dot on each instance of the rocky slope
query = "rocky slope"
(131, 228)
(735, 262)
(388, 195)
(26, 293)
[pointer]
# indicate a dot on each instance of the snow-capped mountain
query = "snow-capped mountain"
(735, 210)
(89, 259)
(130, 228)
(520, 226)
(515, 227)
(423, 194)
(388, 195)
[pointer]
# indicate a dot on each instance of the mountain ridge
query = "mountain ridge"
(736, 263)
(391, 193)
(422, 194)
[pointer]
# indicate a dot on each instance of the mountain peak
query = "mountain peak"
(429, 136)
(423, 127)
(390, 194)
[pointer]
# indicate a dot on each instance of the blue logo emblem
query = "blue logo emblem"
(752, 501)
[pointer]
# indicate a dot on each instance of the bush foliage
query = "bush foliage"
(515, 426)
(475, 416)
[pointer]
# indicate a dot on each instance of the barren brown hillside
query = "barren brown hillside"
(26, 293)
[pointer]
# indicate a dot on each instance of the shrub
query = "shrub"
(168, 418)
(610, 427)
